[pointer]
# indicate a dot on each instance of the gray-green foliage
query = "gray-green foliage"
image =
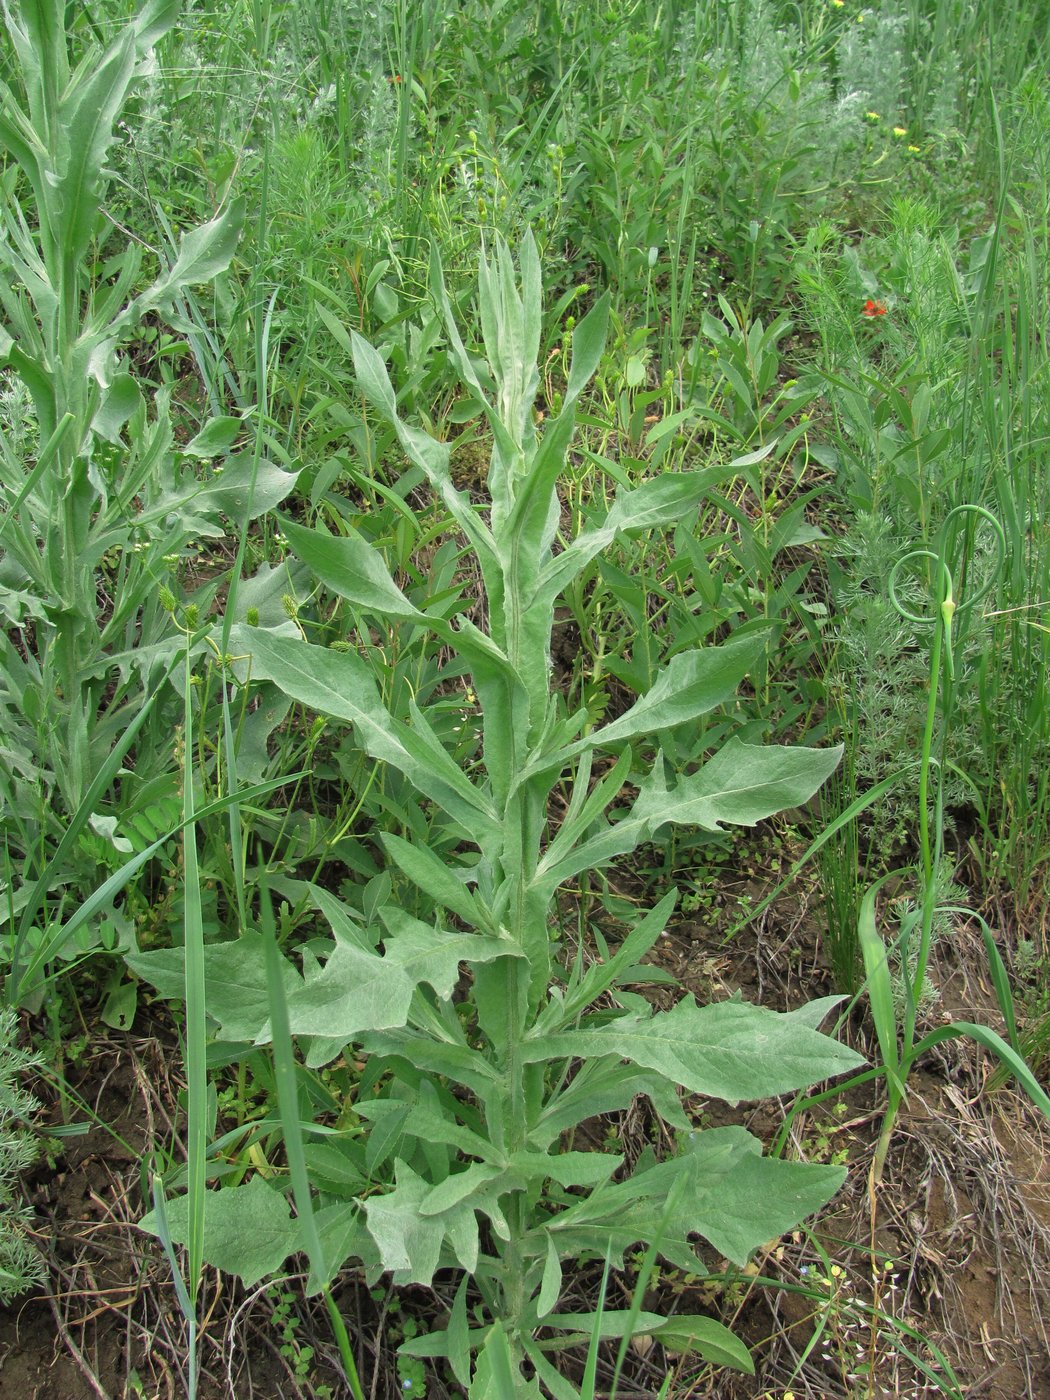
(98, 482)
(479, 1085)
(21, 1264)
(98, 501)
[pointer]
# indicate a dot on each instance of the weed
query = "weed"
(496, 1151)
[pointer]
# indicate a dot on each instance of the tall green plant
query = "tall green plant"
(97, 500)
(62, 332)
(898, 1042)
(476, 1088)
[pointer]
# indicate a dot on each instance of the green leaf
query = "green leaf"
(610, 1322)
(215, 439)
(588, 346)
(339, 916)
(118, 1010)
(153, 20)
(334, 1169)
(458, 1188)
(248, 1230)
(741, 785)
(428, 454)
(692, 684)
(409, 1242)
(879, 983)
(243, 490)
(430, 1126)
(706, 1337)
(661, 501)
(387, 1118)
(600, 976)
(120, 402)
(495, 1377)
(566, 1168)
(550, 1284)
(235, 982)
(456, 1062)
(605, 1086)
(345, 1238)
(459, 1335)
(356, 991)
(430, 874)
(814, 1013)
(340, 684)
(84, 130)
(732, 1195)
(730, 1051)
(352, 568)
(434, 955)
(203, 253)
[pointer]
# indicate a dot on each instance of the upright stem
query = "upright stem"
(930, 851)
(930, 859)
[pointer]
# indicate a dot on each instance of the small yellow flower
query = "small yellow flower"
(836, 1271)
(873, 116)
(839, 4)
(915, 150)
(900, 131)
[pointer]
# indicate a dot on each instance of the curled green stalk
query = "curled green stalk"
(898, 1045)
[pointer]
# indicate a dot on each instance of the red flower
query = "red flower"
(874, 308)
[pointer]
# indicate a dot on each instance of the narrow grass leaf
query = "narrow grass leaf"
(879, 985)
(196, 1024)
(1009, 1057)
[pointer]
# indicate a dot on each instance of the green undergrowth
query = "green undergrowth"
(377, 628)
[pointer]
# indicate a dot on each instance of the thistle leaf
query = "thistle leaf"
(729, 1050)
(248, 1230)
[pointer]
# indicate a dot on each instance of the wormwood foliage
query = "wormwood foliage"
(466, 1163)
(21, 1266)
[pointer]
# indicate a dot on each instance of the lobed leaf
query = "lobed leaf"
(739, 786)
(434, 955)
(730, 1050)
(235, 982)
(356, 991)
(249, 1230)
(733, 1196)
(340, 684)
(409, 1242)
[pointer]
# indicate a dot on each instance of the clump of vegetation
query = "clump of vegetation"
(392, 789)
(21, 1261)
